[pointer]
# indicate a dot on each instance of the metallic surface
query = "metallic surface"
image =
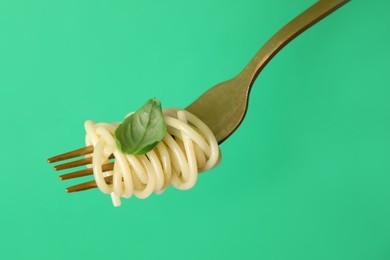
(224, 106)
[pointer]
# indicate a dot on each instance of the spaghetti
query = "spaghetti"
(188, 147)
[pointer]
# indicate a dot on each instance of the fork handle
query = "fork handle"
(297, 26)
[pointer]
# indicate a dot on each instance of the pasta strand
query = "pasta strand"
(189, 147)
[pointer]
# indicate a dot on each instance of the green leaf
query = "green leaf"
(142, 130)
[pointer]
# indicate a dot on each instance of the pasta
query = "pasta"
(188, 147)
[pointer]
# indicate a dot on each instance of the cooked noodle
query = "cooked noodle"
(188, 147)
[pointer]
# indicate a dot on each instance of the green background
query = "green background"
(306, 176)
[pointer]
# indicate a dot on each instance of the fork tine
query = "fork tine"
(73, 164)
(87, 185)
(105, 168)
(72, 154)
(77, 163)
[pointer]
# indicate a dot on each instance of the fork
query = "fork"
(222, 107)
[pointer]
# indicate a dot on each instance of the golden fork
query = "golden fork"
(223, 107)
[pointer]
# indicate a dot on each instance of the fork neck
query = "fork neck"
(301, 23)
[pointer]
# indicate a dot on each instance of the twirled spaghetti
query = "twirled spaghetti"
(188, 147)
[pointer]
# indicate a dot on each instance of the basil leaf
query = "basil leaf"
(143, 130)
